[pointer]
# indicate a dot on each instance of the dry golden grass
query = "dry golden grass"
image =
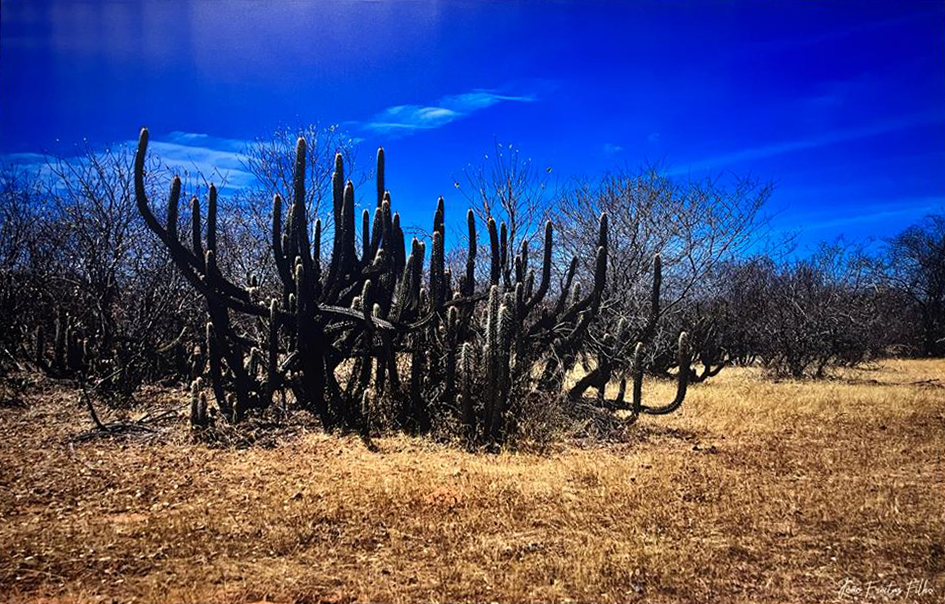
(753, 492)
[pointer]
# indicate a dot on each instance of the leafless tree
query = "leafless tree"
(84, 266)
(694, 226)
(24, 259)
(915, 266)
(817, 313)
(511, 190)
(270, 159)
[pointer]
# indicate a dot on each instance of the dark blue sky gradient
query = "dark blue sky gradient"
(842, 104)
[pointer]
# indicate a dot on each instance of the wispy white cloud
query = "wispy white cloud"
(612, 149)
(407, 119)
(813, 142)
(23, 159)
(194, 139)
(215, 159)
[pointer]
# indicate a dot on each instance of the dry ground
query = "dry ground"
(754, 492)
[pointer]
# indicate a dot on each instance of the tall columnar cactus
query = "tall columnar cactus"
(379, 176)
(467, 380)
(451, 342)
(337, 336)
(272, 356)
(469, 281)
(502, 372)
(493, 355)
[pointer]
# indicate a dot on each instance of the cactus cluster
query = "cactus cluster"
(376, 324)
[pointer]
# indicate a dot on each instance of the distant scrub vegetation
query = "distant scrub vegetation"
(538, 303)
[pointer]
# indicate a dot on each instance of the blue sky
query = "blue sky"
(841, 104)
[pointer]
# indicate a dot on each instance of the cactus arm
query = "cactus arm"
(195, 229)
(317, 256)
(367, 249)
(194, 403)
(338, 187)
(191, 266)
(602, 231)
(654, 299)
(172, 208)
(494, 247)
(387, 224)
(212, 219)
(398, 245)
(545, 270)
(438, 216)
(402, 291)
(178, 252)
(282, 262)
(601, 375)
(522, 269)
(593, 299)
(469, 284)
(357, 316)
(290, 242)
(683, 358)
(343, 267)
(348, 231)
(562, 301)
(299, 230)
(437, 276)
(416, 279)
(379, 176)
(338, 192)
(709, 369)
(377, 229)
(504, 253)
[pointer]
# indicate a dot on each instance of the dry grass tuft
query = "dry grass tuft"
(754, 492)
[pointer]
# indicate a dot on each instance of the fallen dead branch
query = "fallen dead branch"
(106, 429)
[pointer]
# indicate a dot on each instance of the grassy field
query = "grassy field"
(754, 492)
